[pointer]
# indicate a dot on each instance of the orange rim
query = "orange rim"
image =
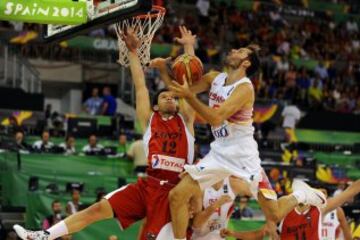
(158, 10)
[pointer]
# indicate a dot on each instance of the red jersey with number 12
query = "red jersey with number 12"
(301, 226)
(168, 146)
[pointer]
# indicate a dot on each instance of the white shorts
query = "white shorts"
(209, 171)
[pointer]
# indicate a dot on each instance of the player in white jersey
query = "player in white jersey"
(335, 225)
(234, 150)
(218, 205)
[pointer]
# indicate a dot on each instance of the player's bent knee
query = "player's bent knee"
(99, 211)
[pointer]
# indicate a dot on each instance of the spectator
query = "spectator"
(92, 148)
(56, 122)
(55, 217)
(14, 125)
(303, 81)
(203, 7)
(20, 143)
(321, 71)
(68, 145)
(136, 152)
(93, 104)
(282, 66)
(43, 145)
(315, 92)
(243, 210)
(74, 204)
(123, 144)
(351, 25)
(291, 115)
(109, 103)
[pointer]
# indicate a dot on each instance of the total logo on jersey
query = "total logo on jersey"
(167, 163)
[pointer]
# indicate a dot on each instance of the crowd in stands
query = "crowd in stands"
(313, 62)
(330, 81)
(45, 145)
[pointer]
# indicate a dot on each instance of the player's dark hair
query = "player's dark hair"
(155, 99)
(254, 60)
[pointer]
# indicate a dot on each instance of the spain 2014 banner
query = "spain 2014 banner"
(65, 12)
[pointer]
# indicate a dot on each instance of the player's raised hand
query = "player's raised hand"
(187, 38)
(181, 90)
(131, 40)
(159, 63)
(226, 233)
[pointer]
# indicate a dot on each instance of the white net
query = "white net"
(145, 27)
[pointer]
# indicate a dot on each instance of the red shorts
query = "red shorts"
(146, 198)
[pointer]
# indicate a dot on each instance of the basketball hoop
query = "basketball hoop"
(145, 25)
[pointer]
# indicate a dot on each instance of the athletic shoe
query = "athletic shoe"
(313, 196)
(30, 235)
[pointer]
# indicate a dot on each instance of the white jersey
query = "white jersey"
(234, 152)
(330, 224)
(234, 145)
(219, 219)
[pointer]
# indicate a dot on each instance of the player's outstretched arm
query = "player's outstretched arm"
(201, 218)
(143, 107)
(163, 64)
(248, 235)
(188, 40)
(344, 225)
(340, 199)
(189, 115)
(216, 116)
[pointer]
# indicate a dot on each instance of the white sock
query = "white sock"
(300, 196)
(58, 230)
(179, 238)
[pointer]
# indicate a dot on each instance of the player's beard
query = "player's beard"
(232, 64)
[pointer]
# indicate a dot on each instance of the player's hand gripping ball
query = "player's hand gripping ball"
(187, 65)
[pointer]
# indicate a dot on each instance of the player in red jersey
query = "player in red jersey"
(169, 145)
(305, 221)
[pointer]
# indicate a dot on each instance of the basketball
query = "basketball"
(187, 65)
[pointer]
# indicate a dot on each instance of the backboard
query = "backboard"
(100, 13)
